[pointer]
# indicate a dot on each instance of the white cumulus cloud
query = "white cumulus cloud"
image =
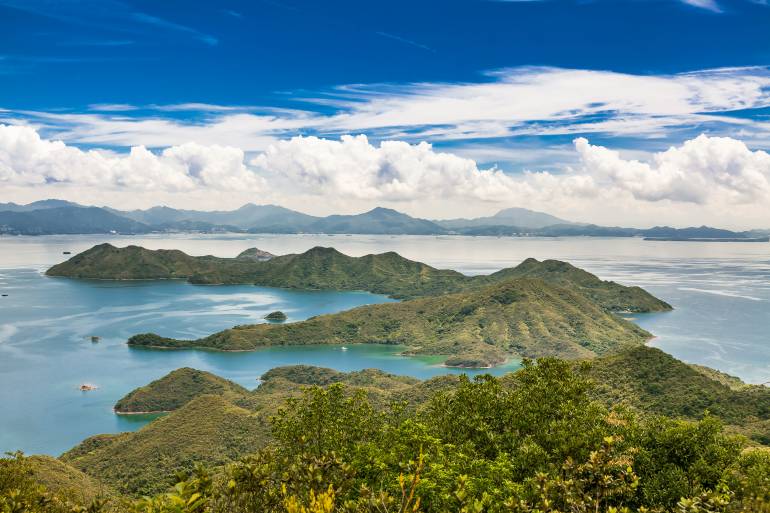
(28, 159)
(702, 170)
(714, 180)
(393, 170)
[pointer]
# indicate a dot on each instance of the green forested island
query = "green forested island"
(326, 268)
(277, 316)
(556, 436)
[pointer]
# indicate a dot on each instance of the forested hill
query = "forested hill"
(326, 268)
(516, 318)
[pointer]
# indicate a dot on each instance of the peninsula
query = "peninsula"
(524, 317)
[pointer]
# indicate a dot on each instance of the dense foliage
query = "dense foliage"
(531, 442)
(652, 381)
(44, 484)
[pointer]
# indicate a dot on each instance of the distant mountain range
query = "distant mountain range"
(66, 220)
(54, 216)
(272, 218)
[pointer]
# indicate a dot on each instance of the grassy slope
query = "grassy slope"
(65, 480)
(327, 268)
(208, 429)
(610, 295)
(212, 429)
(652, 381)
(524, 318)
(174, 390)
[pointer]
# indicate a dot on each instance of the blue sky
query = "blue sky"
(504, 87)
(264, 52)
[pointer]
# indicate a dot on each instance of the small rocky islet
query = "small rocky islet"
(277, 316)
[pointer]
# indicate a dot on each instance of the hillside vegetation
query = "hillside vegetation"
(317, 268)
(216, 428)
(327, 268)
(207, 429)
(211, 426)
(535, 441)
(652, 381)
(610, 295)
(65, 480)
(517, 318)
(175, 389)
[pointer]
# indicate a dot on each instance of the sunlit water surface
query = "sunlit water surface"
(720, 291)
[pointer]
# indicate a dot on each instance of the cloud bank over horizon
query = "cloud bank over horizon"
(713, 180)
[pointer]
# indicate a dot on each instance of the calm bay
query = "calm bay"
(720, 292)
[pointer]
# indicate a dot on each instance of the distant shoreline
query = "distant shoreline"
(116, 412)
(706, 239)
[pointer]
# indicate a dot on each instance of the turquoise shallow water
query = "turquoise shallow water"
(721, 293)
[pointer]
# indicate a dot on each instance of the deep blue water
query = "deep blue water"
(720, 291)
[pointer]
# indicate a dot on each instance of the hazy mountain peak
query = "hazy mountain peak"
(387, 211)
(512, 217)
(255, 254)
(528, 218)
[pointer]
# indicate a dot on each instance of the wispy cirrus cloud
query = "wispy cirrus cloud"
(405, 41)
(112, 15)
(97, 42)
(168, 25)
(708, 5)
(112, 107)
(506, 104)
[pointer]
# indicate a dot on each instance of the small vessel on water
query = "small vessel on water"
(66, 252)
(343, 348)
(95, 339)
(86, 387)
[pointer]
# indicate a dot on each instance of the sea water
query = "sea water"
(720, 292)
